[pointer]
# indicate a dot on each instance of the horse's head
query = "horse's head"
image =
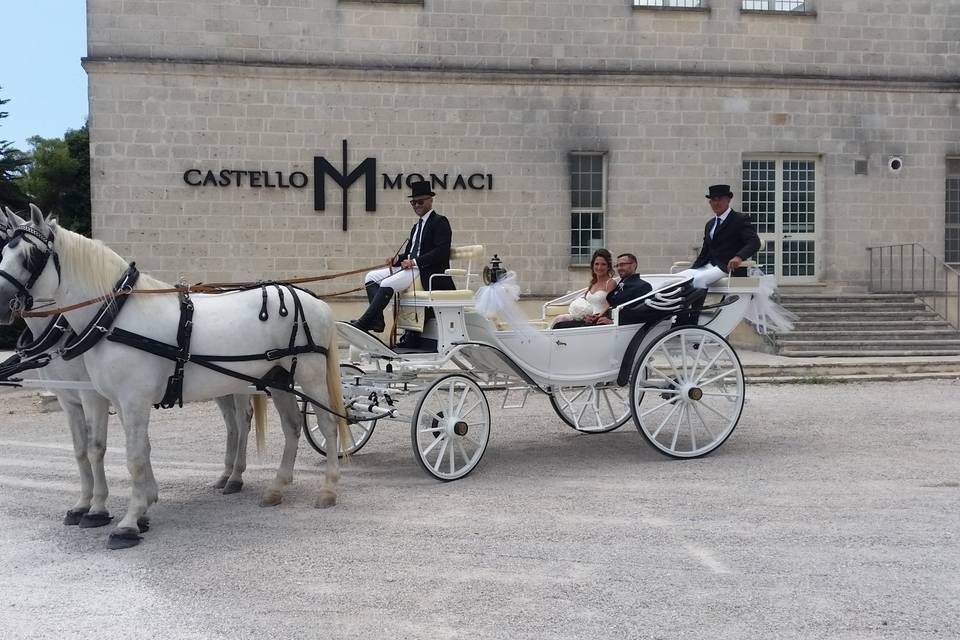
(26, 268)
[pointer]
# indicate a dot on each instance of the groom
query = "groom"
(426, 253)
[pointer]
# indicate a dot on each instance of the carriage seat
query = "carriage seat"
(727, 282)
(410, 316)
(467, 253)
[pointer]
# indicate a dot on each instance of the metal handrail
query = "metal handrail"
(910, 264)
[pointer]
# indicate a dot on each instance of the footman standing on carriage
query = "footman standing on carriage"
(728, 240)
(426, 253)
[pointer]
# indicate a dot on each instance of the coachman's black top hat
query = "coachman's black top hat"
(719, 191)
(421, 188)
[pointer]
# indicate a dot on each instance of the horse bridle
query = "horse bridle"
(34, 267)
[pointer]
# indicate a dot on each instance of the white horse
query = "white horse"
(46, 261)
(87, 417)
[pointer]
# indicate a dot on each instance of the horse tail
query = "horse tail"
(335, 388)
(260, 420)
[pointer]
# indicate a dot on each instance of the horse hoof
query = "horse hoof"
(74, 516)
(271, 499)
(220, 483)
(143, 523)
(326, 500)
(232, 487)
(123, 539)
(93, 520)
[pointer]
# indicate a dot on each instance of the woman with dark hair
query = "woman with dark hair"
(594, 300)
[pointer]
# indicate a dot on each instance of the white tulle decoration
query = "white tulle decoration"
(766, 315)
(498, 301)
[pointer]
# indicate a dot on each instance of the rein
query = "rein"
(214, 287)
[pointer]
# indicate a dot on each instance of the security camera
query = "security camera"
(895, 163)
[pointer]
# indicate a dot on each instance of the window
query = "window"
(951, 241)
(680, 4)
(588, 200)
(776, 5)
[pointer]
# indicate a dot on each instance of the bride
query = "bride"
(594, 301)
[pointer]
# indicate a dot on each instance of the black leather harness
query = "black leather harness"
(102, 326)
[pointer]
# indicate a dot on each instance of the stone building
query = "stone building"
(550, 127)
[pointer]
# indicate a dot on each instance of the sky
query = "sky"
(41, 45)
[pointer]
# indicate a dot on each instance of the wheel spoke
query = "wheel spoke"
(666, 353)
(676, 428)
(433, 444)
(662, 404)
(470, 410)
(672, 411)
(463, 398)
(721, 395)
(708, 366)
(704, 383)
(709, 408)
(463, 452)
(693, 433)
(706, 426)
(436, 465)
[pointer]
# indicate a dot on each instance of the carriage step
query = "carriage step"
(843, 298)
(860, 316)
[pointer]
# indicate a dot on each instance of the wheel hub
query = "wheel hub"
(460, 428)
(694, 393)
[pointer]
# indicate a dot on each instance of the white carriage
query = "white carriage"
(682, 385)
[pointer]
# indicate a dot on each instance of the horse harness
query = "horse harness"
(37, 352)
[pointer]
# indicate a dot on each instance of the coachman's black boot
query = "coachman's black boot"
(372, 318)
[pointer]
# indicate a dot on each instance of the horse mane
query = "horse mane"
(95, 262)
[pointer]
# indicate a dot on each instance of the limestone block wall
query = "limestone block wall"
(666, 138)
(849, 38)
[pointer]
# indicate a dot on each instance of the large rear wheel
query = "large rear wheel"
(686, 392)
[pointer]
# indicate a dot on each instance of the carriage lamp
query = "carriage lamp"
(493, 271)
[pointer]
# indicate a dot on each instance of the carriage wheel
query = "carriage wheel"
(595, 409)
(360, 432)
(686, 392)
(450, 427)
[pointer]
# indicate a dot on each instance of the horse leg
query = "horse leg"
(226, 406)
(286, 404)
(242, 414)
(78, 433)
(143, 490)
(97, 411)
(322, 382)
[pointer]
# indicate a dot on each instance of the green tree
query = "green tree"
(58, 180)
(13, 163)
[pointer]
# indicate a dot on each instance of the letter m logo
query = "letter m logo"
(322, 168)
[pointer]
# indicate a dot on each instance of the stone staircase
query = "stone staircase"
(863, 325)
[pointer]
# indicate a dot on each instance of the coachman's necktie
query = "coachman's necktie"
(716, 223)
(416, 239)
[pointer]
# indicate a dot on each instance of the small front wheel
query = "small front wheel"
(450, 427)
(686, 392)
(358, 433)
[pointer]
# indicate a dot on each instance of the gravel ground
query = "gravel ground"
(832, 512)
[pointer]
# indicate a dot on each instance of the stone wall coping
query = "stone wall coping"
(459, 75)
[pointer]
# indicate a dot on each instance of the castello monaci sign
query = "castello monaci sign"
(343, 178)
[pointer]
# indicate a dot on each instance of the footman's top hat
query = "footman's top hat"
(719, 191)
(421, 188)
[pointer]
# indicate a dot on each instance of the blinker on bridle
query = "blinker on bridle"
(34, 267)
